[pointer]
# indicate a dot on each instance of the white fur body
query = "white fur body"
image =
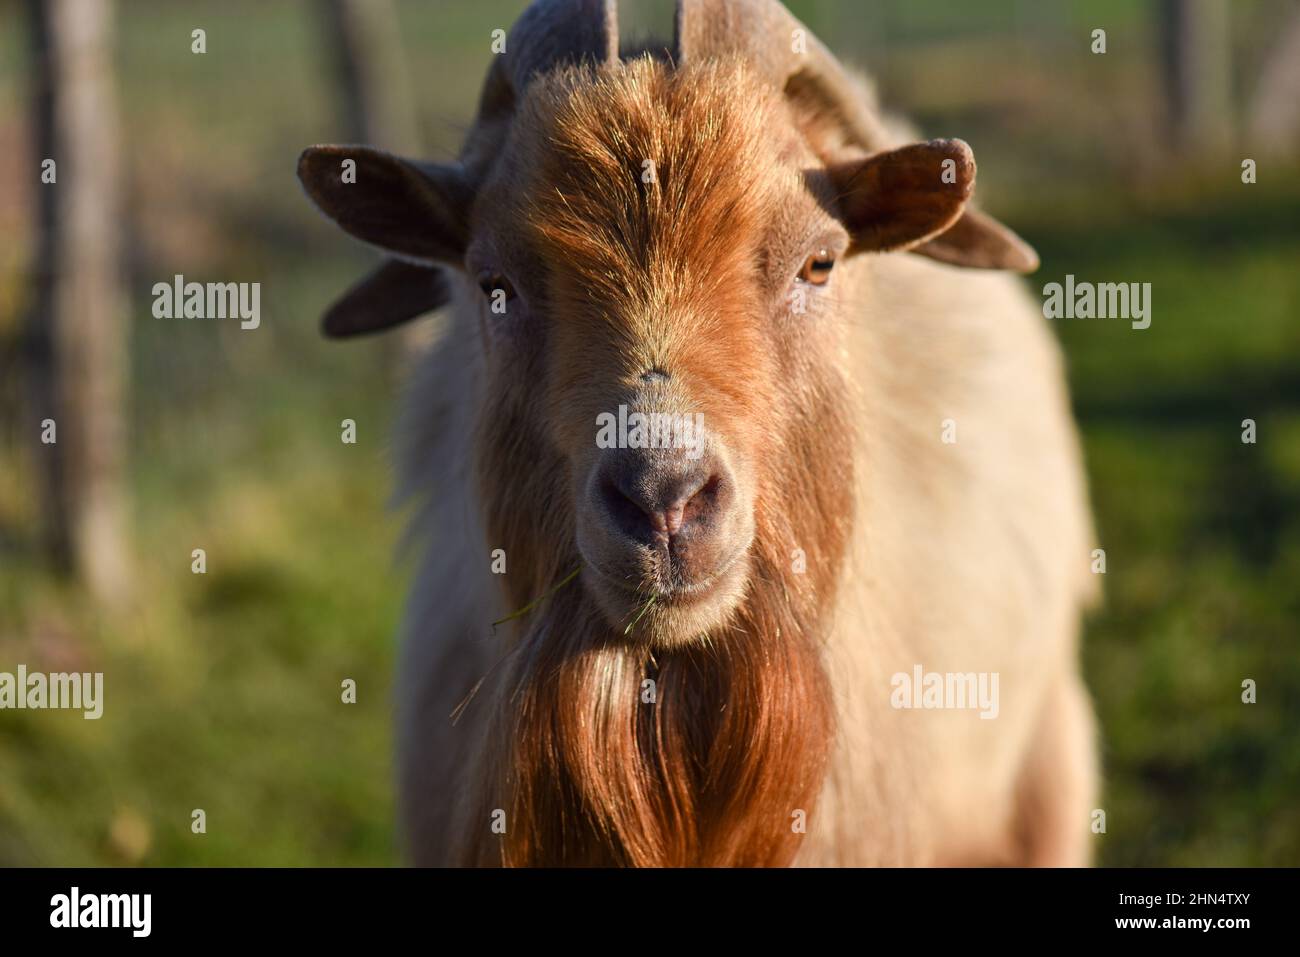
(970, 556)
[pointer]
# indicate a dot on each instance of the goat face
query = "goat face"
(652, 254)
(647, 234)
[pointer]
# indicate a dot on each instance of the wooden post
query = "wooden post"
(1195, 53)
(371, 77)
(75, 337)
(1274, 114)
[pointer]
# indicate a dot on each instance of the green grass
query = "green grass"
(1202, 532)
(223, 690)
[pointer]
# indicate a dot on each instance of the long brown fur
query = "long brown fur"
(712, 771)
(571, 738)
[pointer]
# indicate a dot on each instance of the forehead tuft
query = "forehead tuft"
(638, 173)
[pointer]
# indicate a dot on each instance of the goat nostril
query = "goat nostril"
(700, 501)
(628, 514)
(667, 513)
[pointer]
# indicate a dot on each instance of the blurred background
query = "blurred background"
(222, 690)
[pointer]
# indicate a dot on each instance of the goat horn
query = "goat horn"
(771, 39)
(557, 31)
(546, 34)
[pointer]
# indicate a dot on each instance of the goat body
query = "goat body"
(886, 479)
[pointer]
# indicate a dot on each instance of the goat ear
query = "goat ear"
(979, 240)
(392, 294)
(900, 198)
(415, 210)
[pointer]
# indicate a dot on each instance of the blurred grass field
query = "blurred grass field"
(223, 690)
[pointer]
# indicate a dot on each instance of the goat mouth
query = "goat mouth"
(672, 592)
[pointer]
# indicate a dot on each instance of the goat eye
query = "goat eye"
(493, 282)
(817, 269)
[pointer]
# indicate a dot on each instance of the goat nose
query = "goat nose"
(655, 496)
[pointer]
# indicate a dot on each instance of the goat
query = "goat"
(701, 665)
